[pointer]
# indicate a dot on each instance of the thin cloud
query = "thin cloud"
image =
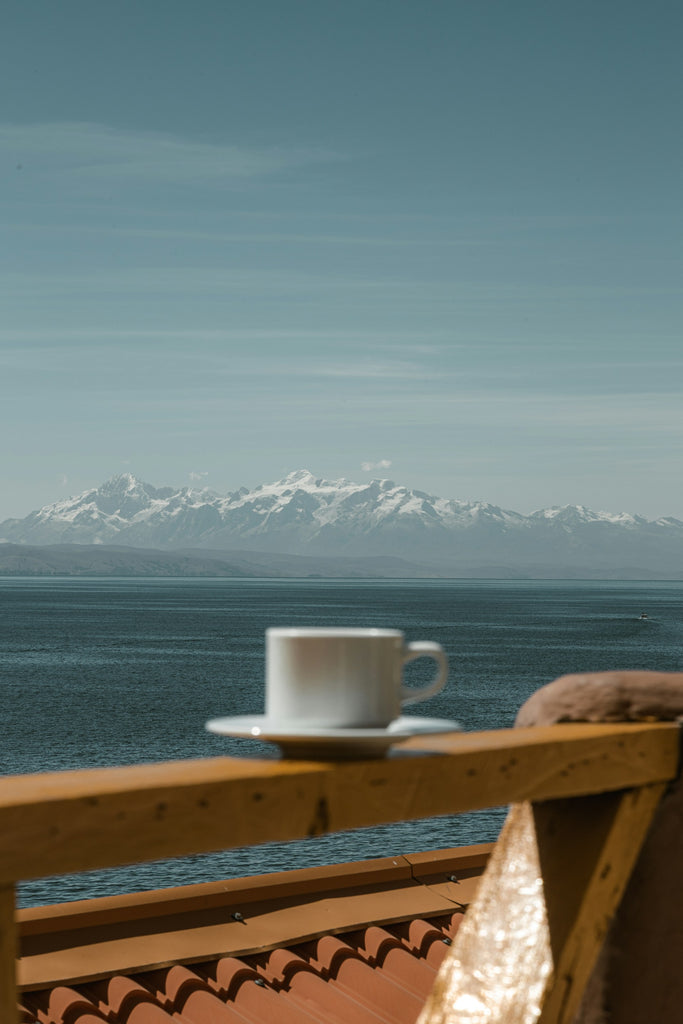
(96, 151)
(389, 370)
(206, 279)
(368, 467)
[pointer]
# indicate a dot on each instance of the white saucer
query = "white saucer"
(308, 741)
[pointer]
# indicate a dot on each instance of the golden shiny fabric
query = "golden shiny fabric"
(500, 963)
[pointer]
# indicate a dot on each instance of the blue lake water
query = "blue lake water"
(105, 672)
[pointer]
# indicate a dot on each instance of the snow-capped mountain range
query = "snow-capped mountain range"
(302, 514)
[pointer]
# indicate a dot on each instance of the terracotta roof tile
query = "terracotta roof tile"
(327, 953)
(260, 1002)
(146, 1013)
(279, 966)
(372, 988)
(383, 949)
(326, 1003)
(373, 960)
(120, 995)
(187, 993)
(63, 1005)
(225, 976)
(340, 963)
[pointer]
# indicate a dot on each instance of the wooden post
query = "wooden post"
(531, 938)
(8, 956)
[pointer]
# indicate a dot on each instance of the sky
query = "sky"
(436, 241)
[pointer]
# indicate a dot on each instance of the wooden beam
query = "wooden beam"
(75, 821)
(530, 940)
(615, 827)
(8, 951)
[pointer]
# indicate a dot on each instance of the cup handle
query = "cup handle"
(421, 649)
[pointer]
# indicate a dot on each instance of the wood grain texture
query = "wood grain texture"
(8, 951)
(587, 851)
(530, 940)
(75, 821)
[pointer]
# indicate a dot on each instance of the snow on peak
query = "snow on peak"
(573, 515)
(305, 514)
(299, 476)
(122, 483)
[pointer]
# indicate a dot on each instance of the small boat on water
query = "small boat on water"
(643, 615)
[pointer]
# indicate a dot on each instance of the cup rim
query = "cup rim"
(319, 632)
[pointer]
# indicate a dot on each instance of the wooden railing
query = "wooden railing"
(80, 820)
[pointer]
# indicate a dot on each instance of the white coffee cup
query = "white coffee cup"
(343, 678)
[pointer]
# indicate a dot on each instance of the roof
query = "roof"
(353, 942)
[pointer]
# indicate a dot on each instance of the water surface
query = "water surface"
(105, 672)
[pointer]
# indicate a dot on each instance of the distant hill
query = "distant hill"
(112, 560)
(251, 531)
